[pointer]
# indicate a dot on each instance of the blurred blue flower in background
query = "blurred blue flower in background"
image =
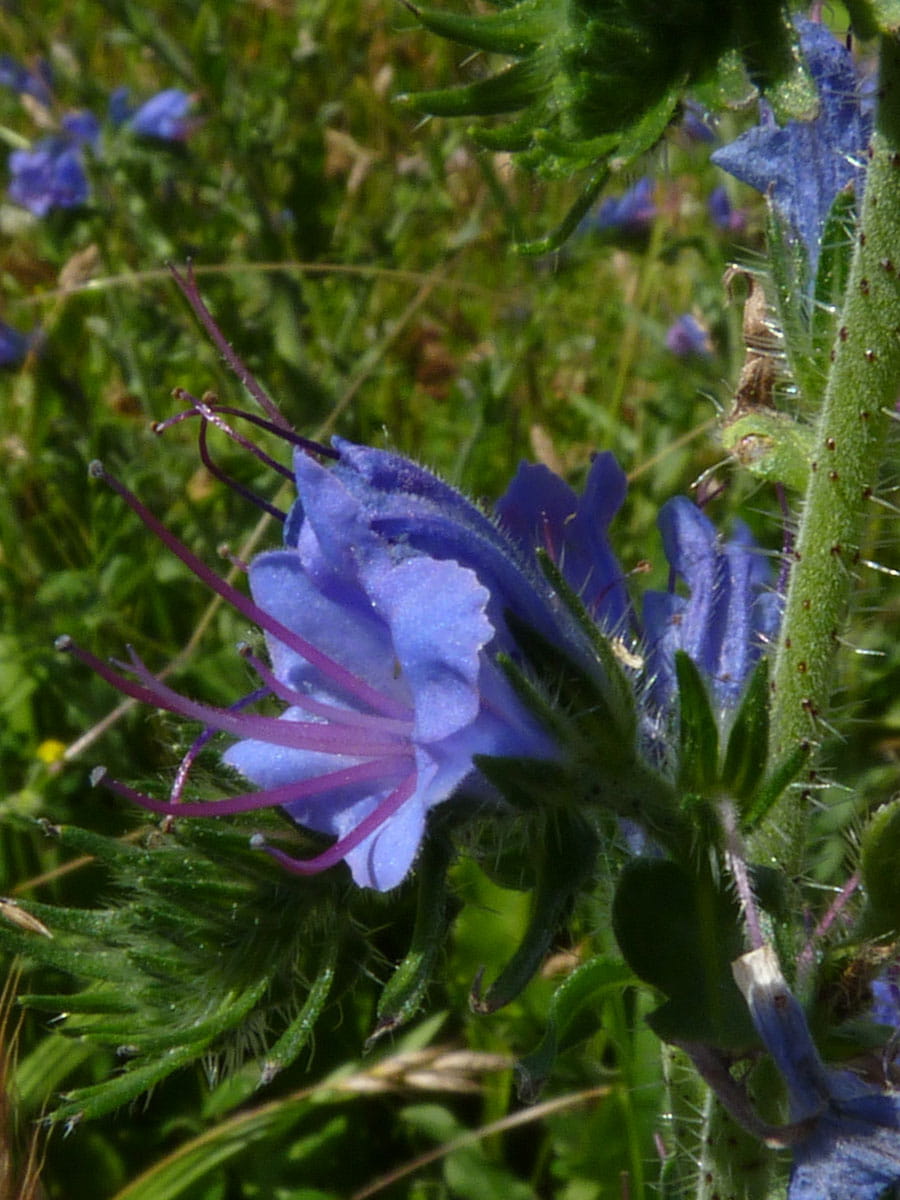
(632, 212)
(722, 213)
(52, 174)
(687, 338)
(163, 116)
(14, 345)
(804, 165)
(18, 78)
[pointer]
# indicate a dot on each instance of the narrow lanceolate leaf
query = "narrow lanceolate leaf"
(698, 749)
(748, 741)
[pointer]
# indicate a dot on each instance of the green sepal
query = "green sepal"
(771, 445)
(870, 18)
(403, 994)
(301, 1029)
(773, 786)
(832, 275)
(508, 91)
(517, 30)
(621, 701)
(589, 713)
(568, 850)
(748, 741)
(769, 45)
(698, 733)
(680, 932)
(193, 961)
(586, 986)
(573, 218)
(789, 264)
(880, 867)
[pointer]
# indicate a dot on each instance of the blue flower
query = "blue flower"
(28, 83)
(541, 511)
(886, 996)
(383, 616)
(13, 345)
(687, 338)
(163, 116)
(846, 1140)
(728, 616)
(804, 165)
(722, 213)
(406, 686)
(50, 176)
(632, 212)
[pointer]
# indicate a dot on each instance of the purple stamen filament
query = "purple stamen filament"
(341, 848)
(329, 712)
(339, 676)
(296, 735)
(384, 771)
(193, 752)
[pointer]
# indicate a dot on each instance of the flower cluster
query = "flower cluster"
(394, 618)
(52, 173)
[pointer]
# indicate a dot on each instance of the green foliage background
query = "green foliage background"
(362, 265)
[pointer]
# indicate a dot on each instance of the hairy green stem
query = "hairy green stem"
(849, 447)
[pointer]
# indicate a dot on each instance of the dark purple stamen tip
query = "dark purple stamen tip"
(188, 285)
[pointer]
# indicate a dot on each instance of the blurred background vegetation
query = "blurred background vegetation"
(363, 267)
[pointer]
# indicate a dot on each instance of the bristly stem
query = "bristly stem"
(849, 449)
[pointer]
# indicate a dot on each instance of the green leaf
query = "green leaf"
(588, 983)
(568, 854)
(774, 786)
(698, 733)
(880, 866)
(748, 741)
(870, 18)
(680, 932)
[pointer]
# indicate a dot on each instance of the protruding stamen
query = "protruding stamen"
(341, 848)
(329, 712)
(189, 290)
(295, 735)
(384, 772)
(339, 676)
(193, 751)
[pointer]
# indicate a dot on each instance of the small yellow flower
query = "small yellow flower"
(51, 751)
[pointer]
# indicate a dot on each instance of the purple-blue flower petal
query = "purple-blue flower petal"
(413, 625)
(541, 511)
(728, 615)
(49, 176)
(632, 212)
(163, 116)
(13, 345)
(686, 337)
(82, 128)
(851, 1150)
(804, 165)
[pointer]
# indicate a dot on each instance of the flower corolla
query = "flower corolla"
(727, 618)
(846, 1137)
(804, 165)
(376, 575)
